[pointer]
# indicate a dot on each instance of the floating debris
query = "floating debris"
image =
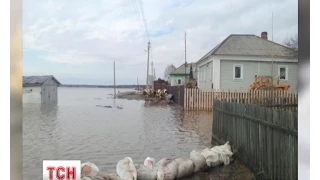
(104, 106)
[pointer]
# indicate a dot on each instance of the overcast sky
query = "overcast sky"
(78, 40)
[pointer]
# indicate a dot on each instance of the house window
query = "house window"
(179, 81)
(237, 71)
(283, 72)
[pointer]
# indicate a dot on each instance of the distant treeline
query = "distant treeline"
(102, 86)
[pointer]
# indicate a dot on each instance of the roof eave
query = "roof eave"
(179, 74)
(58, 83)
(32, 85)
(284, 57)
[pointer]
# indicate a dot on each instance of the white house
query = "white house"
(177, 77)
(40, 89)
(234, 62)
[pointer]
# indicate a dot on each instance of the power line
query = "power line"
(138, 6)
(144, 18)
(135, 6)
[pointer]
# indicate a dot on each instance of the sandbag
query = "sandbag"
(126, 169)
(167, 169)
(88, 170)
(199, 161)
(106, 176)
(214, 159)
(185, 167)
(145, 173)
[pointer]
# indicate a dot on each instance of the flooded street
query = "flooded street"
(78, 129)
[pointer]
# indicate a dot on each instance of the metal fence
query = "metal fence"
(266, 139)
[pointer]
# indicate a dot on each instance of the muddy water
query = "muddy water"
(78, 129)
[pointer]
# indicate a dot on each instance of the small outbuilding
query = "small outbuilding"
(40, 89)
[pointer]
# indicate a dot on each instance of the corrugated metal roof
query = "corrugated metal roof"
(181, 69)
(37, 80)
(250, 45)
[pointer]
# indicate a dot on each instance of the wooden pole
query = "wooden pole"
(147, 84)
(114, 79)
(185, 58)
(138, 83)
(152, 74)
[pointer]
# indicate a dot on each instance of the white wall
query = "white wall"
(31, 95)
(174, 80)
(216, 68)
(49, 92)
(205, 76)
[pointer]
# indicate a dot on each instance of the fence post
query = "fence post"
(178, 94)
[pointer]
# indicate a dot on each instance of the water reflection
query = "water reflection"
(49, 110)
(77, 129)
(200, 123)
(44, 128)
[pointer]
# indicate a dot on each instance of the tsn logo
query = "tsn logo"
(61, 170)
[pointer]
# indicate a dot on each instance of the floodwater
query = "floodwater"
(77, 129)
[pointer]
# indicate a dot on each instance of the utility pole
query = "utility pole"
(147, 84)
(152, 74)
(138, 83)
(272, 60)
(185, 58)
(152, 67)
(114, 79)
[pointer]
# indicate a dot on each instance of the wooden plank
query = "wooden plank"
(196, 99)
(187, 94)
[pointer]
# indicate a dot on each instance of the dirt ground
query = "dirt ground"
(132, 97)
(235, 170)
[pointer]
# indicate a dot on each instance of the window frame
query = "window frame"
(178, 81)
(241, 71)
(286, 73)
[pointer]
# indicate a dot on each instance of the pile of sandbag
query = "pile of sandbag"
(164, 169)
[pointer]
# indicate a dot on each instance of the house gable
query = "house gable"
(38, 80)
(181, 71)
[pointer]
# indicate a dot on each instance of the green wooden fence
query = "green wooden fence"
(266, 139)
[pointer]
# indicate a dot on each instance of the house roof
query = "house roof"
(181, 69)
(250, 45)
(38, 80)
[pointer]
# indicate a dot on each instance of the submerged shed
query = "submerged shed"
(40, 89)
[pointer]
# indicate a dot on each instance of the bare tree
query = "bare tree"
(292, 43)
(169, 69)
